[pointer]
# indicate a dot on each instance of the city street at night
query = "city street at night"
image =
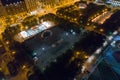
(60, 40)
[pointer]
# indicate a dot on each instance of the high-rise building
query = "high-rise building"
(53, 3)
(12, 7)
(31, 5)
(3, 12)
(15, 8)
(7, 2)
(50, 2)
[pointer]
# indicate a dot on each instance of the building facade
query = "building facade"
(15, 8)
(12, 7)
(31, 5)
(2, 8)
(53, 3)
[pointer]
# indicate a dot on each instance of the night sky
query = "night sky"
(4, 2)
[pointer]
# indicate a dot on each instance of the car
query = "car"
(12, 68)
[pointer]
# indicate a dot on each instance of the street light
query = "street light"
(77, 53)
(13, 52)
(86, 57)
(66, 34)
(7, 42)
(24, 66)
(43, 48)
(101, 30)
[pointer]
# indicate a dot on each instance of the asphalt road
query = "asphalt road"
(109, 56)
